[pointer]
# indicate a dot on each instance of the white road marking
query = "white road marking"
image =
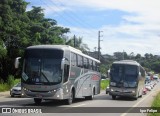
(79, 105)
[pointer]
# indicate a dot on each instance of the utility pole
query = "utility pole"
(99, 40)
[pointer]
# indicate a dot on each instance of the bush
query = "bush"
(10, 81)
(104, 84)
(4, 87)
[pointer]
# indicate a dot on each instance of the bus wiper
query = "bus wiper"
(45, 76)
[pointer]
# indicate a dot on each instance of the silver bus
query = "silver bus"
(127, 78)
(59, 72)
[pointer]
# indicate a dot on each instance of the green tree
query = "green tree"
(103, 69)
(78, 44)
(138, 56)
(12, 22)
(44, 30)
(20, 29)
(155, 66)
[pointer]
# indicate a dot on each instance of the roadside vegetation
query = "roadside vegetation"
(5, 86)
(104, 84)
(156, 103)
(11, 81)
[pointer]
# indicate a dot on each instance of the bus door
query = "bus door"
(65, 76)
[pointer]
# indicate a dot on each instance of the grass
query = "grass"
(4, 87)
(10, 82)
(156, 103)
(104, 84)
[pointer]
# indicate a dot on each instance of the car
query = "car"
(144, 90)
(148, 79)
(103, 77)
(107, 90)
(148, 87)
(156, 78)
(16, 90)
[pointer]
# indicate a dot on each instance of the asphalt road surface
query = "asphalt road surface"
(102, 105)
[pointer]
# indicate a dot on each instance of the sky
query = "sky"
(125, 25)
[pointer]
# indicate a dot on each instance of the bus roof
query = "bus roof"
(129, 62)
(63, 47)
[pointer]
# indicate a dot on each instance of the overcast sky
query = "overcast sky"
(129, 25)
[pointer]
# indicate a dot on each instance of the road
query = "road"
(100, 106)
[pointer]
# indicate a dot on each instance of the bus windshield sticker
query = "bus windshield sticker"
(24, 76)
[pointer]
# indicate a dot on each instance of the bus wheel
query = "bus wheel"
(70, 99)
(113, 97)
(37, 101)
(135, 98)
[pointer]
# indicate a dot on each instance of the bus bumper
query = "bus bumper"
(123, 92)
(56, 94)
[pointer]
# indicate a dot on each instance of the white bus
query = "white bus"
(59, 72)
(127, 78)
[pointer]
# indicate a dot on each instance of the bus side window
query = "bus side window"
(94, 66)
(66, 73)
(90, 64)
(80, 61)
(85, 63)
(73, 59)
(142, 72)
(97, 67)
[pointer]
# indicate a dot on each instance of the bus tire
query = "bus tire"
(135, 98)
(69, 101)
(37, 101)
(113, 97)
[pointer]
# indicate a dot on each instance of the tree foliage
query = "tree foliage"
(20, 29)
(77, 42)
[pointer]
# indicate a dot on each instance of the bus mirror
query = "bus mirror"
(17, 62)
(108, 73)
(64, 61)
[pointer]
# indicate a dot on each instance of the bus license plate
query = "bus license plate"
(38, 95)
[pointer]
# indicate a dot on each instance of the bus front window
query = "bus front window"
(126, 74)
(130, 75)
(42, 66)
(116, 73)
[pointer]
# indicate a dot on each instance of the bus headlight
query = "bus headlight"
(112, 83)
(25, 89)
(133, 91)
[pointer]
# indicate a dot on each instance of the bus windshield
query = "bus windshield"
(124, 73)
(130, 73)
(116, 73)
(42, 66)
